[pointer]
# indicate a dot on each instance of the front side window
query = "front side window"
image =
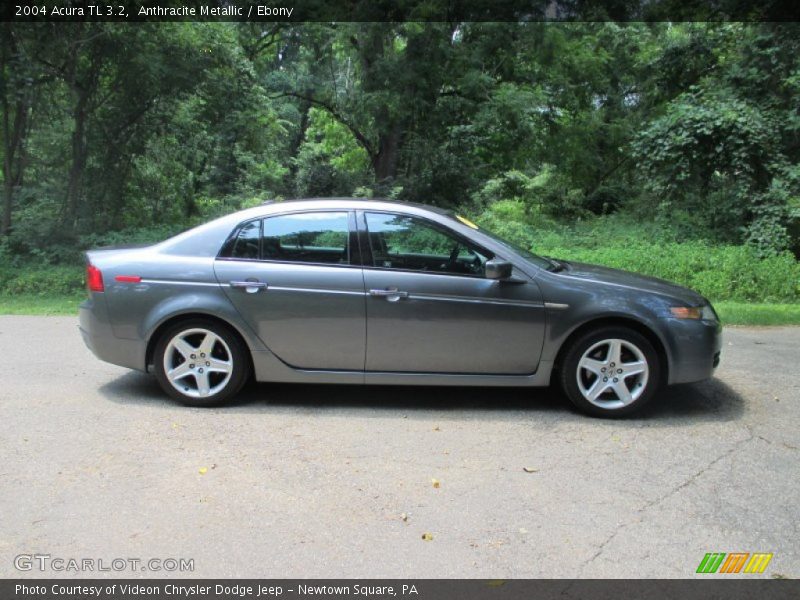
(409, 243)
(316, 237)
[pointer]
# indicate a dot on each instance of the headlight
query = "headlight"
(699, 313)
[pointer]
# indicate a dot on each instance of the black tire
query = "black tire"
(611, 402)
(228, 347)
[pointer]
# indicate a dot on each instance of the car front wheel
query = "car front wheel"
(201, 363)
(610, 372)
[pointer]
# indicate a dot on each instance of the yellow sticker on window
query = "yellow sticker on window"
(466, 221)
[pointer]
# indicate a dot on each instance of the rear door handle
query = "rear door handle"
(391, 294)
(251, 287)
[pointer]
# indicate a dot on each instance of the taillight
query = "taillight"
(94, 279)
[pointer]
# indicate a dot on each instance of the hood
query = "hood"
(632, 280)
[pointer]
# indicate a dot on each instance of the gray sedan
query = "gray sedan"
(366, 291)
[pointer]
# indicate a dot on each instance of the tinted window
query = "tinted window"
(408, 243)
(318, 237)
(245, 244)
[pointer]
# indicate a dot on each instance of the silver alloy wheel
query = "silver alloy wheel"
(198, 363)
(612, 373)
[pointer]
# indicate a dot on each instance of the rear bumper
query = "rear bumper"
(695, 348)
(100, 339)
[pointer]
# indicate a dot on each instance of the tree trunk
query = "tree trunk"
(8, 196)
(8, 153)
(386, 160)
(13, 135)
(8, 180)
(79, 150)
(82, 77)
(300, 136)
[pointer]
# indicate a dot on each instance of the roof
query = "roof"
(345, 199)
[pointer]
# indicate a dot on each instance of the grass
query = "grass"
(741, 313)
(29, 304)
(731, 313)
(720, 271)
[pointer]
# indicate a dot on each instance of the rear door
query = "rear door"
(296, 279)
(431, 310)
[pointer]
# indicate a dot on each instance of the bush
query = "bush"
(720, 272)
(42, 280)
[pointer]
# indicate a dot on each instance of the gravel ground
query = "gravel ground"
(334, 481)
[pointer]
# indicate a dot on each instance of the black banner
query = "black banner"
(397, 10)
(732, 588)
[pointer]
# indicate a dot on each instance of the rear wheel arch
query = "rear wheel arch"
(168, 323)
(616, 321)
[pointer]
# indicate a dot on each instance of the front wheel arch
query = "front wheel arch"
(593, 360)
(633, 324)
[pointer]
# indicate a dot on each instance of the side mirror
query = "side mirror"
(497, 269)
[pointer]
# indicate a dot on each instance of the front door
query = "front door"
(431, 310)
(296, 280)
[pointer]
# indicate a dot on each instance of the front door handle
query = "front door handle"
(391, 294)
(251, 287)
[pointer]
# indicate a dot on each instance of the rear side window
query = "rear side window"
(316, 237)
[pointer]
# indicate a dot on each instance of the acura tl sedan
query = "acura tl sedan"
(371, 291)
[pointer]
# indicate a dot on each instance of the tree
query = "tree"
(17, 95)
(727, 147)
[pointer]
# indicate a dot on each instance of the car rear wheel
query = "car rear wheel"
(610, 372)
(200, 362)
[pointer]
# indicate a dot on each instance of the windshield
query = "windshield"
(539, 261)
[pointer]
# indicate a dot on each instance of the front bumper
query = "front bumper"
(99, 337)
(695, 349)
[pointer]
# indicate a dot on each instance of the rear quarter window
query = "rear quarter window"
(245, 243)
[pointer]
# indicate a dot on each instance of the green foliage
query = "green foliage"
(516, 221)
(329, 163)
(122, 134)
(547, 192)
(40, 305)
(709, 154)
(724, 148)
(42, 281)
(720, 272)
(740, 313)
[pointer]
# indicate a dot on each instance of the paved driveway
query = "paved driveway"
(326, 481)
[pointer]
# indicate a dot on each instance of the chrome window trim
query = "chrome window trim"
(287, 262)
